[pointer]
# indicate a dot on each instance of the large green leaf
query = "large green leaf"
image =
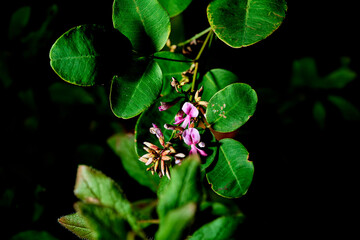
(124, 147)
(176, 221)
(172, 65)
(77, 224)
(105, 222)
(215, 80)
(175, 7)
(231, 107)
(240, 23)
(220, 229)
(144, 22)
(232, 173)
(89, 54)
(133, 92)
(184, 187)
(92, 186)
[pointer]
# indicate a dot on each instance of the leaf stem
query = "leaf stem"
(152, 221)
(194, 37)
(197, 63)
(169, 59)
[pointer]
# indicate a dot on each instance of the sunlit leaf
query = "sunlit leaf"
(175, 7)
(89, 54)
(215, 80)
(144, 22)
(231, 107)
(240, 23)
(133, 92)
(232, 173)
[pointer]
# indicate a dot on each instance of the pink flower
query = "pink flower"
(156, 130)
(166, 105)
(190, 111)
(192, 137)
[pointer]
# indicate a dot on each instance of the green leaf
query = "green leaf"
(124, 147)
(153, 115)
(171, 68)
(144, 22)
(133, 92)
(33, 235)
(105, 222)
(175, 7)
(215, 80)
(89, 54)
(319, 113)
(183, 188)
(92, 186)
(77, 225)
(240, 23)
(231, 107)
(220, 229)
(18, 21)
(175, 222)
(347, 109)
(232, 173)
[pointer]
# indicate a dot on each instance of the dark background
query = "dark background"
(305, 174)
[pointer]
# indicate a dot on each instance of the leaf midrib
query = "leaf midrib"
(228, 161)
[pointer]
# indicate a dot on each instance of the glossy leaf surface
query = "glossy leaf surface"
(231, 107)
(175, 7)
(240, 23)
(144, 22)
(89, 54)
(215, 80)
(133, 92)
(232, 173)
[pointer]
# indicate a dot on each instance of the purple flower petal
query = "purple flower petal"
(179, 117)
(186, 122)
(187, 137)
(190, 109)
(195, 135)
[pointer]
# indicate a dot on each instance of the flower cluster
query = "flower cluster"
(159, 158)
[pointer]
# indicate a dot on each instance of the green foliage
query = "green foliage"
(231, 107)
(232, 173)
(240, 23)
(182, 110)
(144, 22)
(136, 90)
(33, 235)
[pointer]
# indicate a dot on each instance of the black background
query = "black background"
(305, 177)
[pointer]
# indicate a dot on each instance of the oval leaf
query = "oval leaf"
(240, 23)
(144, 22)
(232, 173)
(231, 107)
(175, 7)
(77, 225)
(85, 55)
(215, 80)
(133, 92)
